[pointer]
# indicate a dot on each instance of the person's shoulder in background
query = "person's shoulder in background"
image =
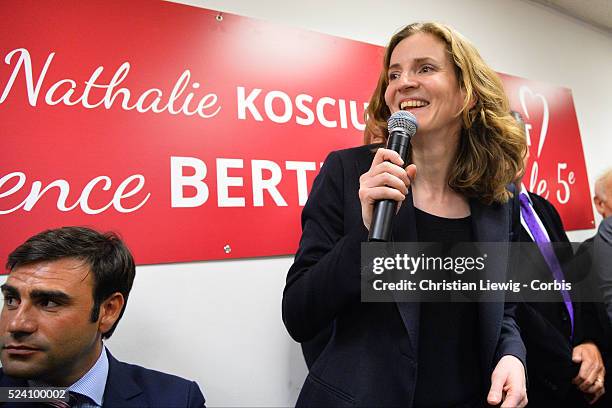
(133, 385)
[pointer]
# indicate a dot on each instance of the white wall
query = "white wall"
(220, 322)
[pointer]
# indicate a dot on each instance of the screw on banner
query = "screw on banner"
(227, 249)
(219, 17)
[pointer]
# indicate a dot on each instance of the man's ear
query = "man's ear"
(599, 205)
(110, 310)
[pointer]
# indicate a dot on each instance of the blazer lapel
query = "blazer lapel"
(491, 223)
(546, 219)
(536, 265)
(404, 230)
(121, 390)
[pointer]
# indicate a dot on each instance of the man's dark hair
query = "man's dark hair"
(110, 261)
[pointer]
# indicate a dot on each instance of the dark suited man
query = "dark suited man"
(595, 255)
(65, 294)
(602, 241)
(564, 364)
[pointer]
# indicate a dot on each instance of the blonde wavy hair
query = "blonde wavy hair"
(492, 143)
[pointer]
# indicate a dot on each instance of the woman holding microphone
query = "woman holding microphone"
(465, 152)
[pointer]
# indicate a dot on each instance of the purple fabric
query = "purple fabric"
(546, 249)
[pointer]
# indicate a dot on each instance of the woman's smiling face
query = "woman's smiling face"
(422, 80)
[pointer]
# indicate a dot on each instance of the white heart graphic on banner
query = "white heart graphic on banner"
(522, 92)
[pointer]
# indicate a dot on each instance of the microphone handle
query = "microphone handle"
(384, 210)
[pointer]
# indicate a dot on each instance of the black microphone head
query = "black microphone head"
(403, 121)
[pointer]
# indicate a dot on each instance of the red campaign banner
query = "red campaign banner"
(556, 168)
(196, 134)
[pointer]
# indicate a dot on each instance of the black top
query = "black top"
(448, 355)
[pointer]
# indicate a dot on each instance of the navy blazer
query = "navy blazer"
(371, 357)
(132, 386)
(546, 326)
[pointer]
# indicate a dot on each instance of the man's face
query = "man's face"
(604, 203)
(45, 329)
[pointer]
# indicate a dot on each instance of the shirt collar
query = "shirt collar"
(93, 383)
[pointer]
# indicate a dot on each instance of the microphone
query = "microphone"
(402, 126)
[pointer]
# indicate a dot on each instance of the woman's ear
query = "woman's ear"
(472, 101)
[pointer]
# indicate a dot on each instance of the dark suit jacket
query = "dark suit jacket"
(546, 326)
(594, 257)
(132, 386)
(370, 359)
